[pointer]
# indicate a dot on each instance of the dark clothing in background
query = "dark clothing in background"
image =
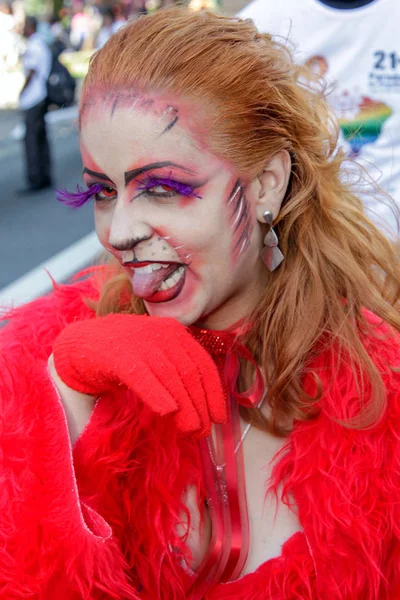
(37, 146)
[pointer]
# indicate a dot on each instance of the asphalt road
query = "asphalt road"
(35, 227)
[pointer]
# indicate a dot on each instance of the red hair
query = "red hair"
(258, 103)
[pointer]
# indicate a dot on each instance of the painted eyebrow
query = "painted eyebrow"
(129, 175)
(95, 174)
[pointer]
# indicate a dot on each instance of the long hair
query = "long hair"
(258, 102)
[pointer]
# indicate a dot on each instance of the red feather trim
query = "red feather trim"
(130, 470)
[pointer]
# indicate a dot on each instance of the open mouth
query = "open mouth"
(157, 281)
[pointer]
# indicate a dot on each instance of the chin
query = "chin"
(187, 307)
(172, 312)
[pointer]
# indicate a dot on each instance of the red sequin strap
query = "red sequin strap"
(226, 349)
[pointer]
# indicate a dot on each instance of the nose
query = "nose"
(128, 228)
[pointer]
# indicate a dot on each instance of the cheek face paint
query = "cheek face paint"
(181, 250)
(240, 221)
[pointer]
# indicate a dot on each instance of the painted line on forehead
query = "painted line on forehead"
(114, 106)
(166, 112)
(135, 101)
(134, 173)
(170, 126)
(146, 103)
(171, 111)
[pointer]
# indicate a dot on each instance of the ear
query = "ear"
(272, 184)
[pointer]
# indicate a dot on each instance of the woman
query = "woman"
(230, 384)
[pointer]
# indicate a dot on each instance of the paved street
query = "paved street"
(34, 228)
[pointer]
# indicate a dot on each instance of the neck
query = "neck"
(240, 305)
(346, 4)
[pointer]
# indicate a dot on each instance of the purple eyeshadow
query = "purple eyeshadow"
(183, 189)
(78, 198)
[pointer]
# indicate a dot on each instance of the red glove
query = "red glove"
(155, 357)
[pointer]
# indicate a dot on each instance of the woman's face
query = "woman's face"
(175, 215)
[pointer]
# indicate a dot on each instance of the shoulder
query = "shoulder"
(345, 477)
(345, 384)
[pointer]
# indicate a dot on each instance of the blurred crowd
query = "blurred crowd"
(76, 26)
(39, 56)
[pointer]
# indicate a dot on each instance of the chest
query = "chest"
(271, 521)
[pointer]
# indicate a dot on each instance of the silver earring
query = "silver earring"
(270, 254)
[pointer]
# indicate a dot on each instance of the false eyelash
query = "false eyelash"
(78, 198)
(183, 189)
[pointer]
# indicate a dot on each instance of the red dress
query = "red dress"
(98, 521)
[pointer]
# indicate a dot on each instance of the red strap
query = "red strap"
(224, 467)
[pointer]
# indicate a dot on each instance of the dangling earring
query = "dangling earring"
(270, 254)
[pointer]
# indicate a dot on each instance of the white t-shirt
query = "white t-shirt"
(358, 51)
(37, 57)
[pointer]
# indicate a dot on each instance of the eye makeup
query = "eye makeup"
(80, 197)
(169, 187)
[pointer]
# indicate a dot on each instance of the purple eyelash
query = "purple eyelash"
(183, 189)
(78, 198)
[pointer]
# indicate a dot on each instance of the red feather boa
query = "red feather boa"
(130, 468)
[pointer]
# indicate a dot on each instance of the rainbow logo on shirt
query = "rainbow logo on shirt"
(361, 121)
(366, 126)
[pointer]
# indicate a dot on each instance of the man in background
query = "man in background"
(36, 62)
(354, 46)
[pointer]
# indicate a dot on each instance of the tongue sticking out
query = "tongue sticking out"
(145, 285)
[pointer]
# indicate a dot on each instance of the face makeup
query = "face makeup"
(240, 221)
(174, 215)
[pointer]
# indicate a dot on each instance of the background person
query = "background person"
(107, 28)
(363, 70)
(8, 38)
(81, 27)
(37, 65)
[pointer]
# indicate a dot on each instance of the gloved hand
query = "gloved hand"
(155, 357)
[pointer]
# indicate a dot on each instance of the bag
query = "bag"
(60, 85)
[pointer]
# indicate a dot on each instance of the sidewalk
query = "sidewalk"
(12, 125)
(9, 119)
